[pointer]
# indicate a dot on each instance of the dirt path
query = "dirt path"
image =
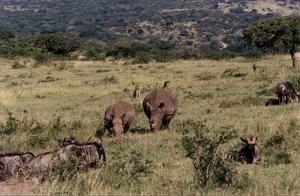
(16, 187)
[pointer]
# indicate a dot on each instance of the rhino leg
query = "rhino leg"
(126, 128)
(106, 132)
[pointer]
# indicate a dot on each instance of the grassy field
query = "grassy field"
(69, 97)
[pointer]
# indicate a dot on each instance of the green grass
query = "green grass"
(225, 95)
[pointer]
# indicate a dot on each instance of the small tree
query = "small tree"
(277, 34)
(210, 167)
(60, 44)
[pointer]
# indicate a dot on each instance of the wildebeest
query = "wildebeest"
(43, 161)
(119, 117)
(11, 163)
(74, 150)
(70, 151)
(248, 154)
(160, 107)
(287, 91)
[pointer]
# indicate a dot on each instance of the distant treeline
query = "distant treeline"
(48, 47)
(207, 25)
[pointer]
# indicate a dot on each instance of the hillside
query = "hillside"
(215, 23)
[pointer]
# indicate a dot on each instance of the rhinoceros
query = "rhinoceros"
(160, 107)
(119, 117)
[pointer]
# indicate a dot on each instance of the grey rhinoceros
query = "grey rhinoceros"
(160, 107)
(119, 117)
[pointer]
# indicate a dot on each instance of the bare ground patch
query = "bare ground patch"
(16, 187)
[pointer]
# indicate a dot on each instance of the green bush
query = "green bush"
(220, 55)
(210, 167)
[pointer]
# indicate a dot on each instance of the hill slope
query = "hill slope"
(190, 22)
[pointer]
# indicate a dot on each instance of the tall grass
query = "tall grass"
(223, 95)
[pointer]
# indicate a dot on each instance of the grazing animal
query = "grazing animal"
(287, 91)
(136, 93)
(254, 67)
(248, 154)
(160, 107)
(11, 163)
(43, 161)
(167, 85)
(72, 150)
(119, 117)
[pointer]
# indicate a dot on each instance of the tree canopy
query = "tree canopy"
(275, 34)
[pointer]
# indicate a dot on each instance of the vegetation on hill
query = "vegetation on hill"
(210, 24)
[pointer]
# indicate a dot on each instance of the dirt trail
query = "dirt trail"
(16, 187)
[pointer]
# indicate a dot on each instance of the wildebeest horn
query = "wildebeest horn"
(89, 139)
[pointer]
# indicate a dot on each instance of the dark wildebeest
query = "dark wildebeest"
(248, 154)
(118, 116)
(287, 91)
(43, 161)
(11, 163)
(71, 151)
(160, 107)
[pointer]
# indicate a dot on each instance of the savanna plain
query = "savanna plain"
(69, 97)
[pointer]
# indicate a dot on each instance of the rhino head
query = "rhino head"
(157, 114)
(118, 123)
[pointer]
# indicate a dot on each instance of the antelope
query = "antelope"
(136, 93)
(254, 67)
(167, 85)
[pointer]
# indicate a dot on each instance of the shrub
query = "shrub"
(210, 167)
(276, 150)
(232, 72)
(17, 65)
(220, 55)
(11, 125)
(110, 80)
(128, 168)
(205, 76)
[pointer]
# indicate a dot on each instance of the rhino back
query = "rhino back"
(118, 109)
(158, 96)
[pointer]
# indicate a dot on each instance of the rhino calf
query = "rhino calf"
(118, 116)
(160, 107)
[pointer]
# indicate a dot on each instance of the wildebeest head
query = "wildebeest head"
(27, 157)
(157, 115)
(10, 163)
(66, 141)
(250, 153)
(250, 141)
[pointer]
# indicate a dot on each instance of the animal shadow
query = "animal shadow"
(140, 130)
(272, 102)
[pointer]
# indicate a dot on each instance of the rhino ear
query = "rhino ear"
(123, 117)
(112, 116)
(150, 106)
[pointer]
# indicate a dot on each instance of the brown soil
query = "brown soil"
(16, 187)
